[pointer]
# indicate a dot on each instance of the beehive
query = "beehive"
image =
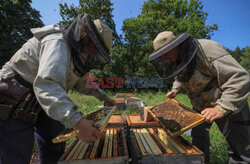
(153, 145)
(121, 103)
(133, 103)
(111, 148)
(124, 95)
(117, 121)
(134, 120)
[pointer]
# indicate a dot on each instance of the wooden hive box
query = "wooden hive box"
(124, 95)
(117, 121)
(153, 145)
(134, 104)
(134, 120)
(121, 103)
(175, 117)
(111, 148)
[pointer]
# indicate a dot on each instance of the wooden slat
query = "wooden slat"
(105, 146)
(115, 143)
(83, 151)
(110, 143)
(168, 151)
(143, 151)
(124, 143)
(185, 145)
(169, 142)
(70, 155)
(153, 146)
(68, 150)
(106, 119)
(76, 154)
(144, 142)
(94, 150)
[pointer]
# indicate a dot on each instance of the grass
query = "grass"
(218, 147)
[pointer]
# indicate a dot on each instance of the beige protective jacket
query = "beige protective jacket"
(45, 61)
(218, 81)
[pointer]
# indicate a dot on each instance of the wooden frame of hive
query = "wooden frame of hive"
(200, 117)
(111, 148)
(153, 145)
(103, 121)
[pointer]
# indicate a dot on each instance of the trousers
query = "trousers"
(17, 140)
(236, 130)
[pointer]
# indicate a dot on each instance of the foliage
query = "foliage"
(237, 53)
(245, 58)
(97, 9)
(156, 16)
(16, 19)
(242, 56)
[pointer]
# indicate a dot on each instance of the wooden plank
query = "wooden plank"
(169, 142)
(185, 145)
(143, 151)
(147, 116)
(153, 146)
(105, 145)
(83, 151)
(110, 148)
(115, 143)
(68, 149)
(144, 142)
(104, 122)
(134, 120)
(94, 150)
(124, 143)
(76, 154)
(70, 155)
(168, 151)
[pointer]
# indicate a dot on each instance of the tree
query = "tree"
(237, 53)
(245, 58)
(16, 19)
(179, 16)
(97, 9)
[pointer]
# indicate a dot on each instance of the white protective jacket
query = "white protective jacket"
(218, 81)
(45, 61)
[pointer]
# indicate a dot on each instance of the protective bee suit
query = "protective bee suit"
(51, 64)
(212, 79)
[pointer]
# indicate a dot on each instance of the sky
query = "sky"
(231, 16)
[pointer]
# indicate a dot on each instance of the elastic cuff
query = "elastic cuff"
(226, 112)
(74, 119)
(176, 90)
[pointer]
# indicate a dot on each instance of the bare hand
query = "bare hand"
(87, 130)
(109, 102)
(212, 114)
(171, 94)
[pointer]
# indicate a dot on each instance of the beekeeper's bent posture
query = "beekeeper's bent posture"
(34, 85)
(216, 84)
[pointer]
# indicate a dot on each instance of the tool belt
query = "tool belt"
(18, 100)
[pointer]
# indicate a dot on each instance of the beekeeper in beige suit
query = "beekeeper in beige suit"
(34, 85)
(216, 84)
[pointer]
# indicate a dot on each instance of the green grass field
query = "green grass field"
(218, 147)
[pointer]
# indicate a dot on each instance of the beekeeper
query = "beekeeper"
(34, 85)
(216, 84)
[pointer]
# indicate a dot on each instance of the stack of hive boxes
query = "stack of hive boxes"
(131, 140)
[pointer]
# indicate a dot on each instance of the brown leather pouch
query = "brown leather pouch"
(11, 94)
